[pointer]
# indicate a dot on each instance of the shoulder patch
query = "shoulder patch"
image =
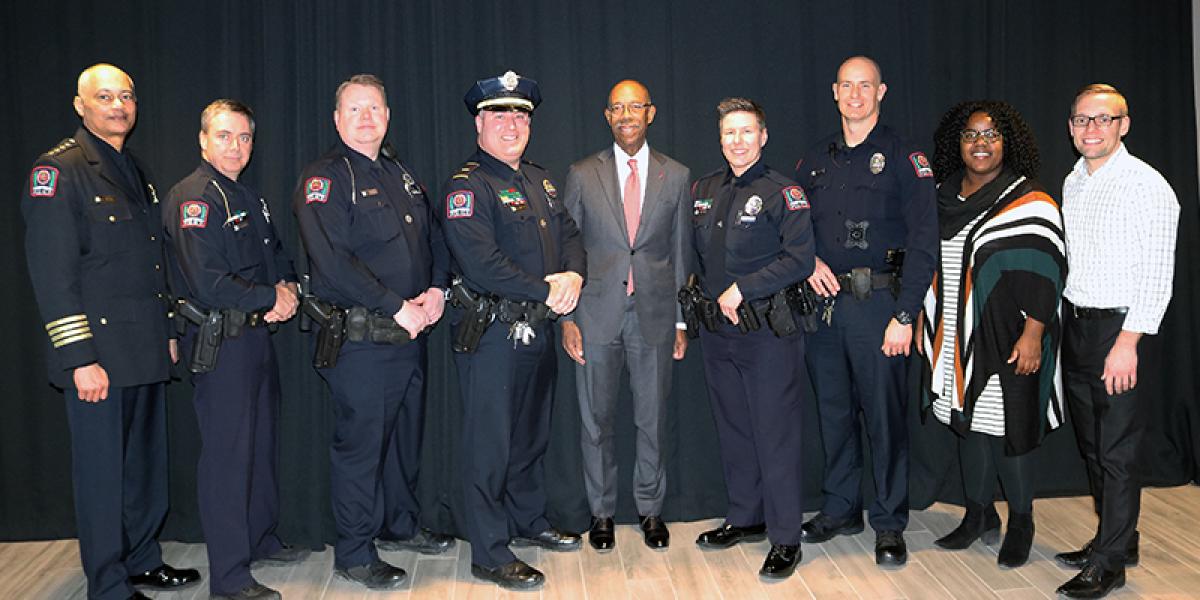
(62, 146)
(193, 214)
(43, 182)
(920, 164)
(460, 204)
(795, 198)
(316, 189)
(465, 171)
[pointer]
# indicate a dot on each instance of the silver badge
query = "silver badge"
(509, 81)
(877, 163)
(410, 185)
(753, 205)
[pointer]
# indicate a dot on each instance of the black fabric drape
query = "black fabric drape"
(286, 58)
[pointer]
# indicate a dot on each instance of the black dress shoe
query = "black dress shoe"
(1093, 581)
(376, 576)
(728, 535)
(284, 556)
(516, 575)
(823, 528)
(139, 596)
(781, 561)
(601, 535)
(979, 522)
(890, 550)
(423, 542)
(166, 577)
(551, 539)
(255, 591)
(1078, 559)
(655, 533)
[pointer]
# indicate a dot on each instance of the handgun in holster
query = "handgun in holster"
(332, 321)
(780, 318)
(209, 335)
(807, 302)
(478, 313)
(689, 304)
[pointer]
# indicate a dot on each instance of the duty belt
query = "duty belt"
(860, 281)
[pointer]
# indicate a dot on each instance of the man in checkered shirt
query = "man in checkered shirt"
(1120, 218)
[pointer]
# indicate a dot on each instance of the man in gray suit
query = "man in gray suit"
(632, 205)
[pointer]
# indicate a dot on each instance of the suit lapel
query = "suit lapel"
(655, 173)
(606, 172)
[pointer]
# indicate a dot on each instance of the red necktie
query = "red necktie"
(633, 212)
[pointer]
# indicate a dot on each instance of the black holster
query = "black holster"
(780, 318)
(479, 312)
(690, 300)
(747, 318)
(332, 321)
(807, 302)
(362, 325)
(209, 335)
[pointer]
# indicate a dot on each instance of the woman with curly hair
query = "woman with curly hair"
(990, 326)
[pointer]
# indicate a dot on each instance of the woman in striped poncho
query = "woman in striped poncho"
(990, 326)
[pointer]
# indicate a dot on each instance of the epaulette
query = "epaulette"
(778, 177)
(465, 171)
(62, 146)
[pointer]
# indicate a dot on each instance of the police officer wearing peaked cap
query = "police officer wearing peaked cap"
(94, 249)
(511, 239)
(374, 249)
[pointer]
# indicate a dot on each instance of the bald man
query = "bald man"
(94, 247)
(631, 204)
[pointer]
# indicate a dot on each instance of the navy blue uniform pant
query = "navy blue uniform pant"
(119, 472)
(237, 409)
(1109, 430)
(375, 456)
(756, 387)
(506, 396)
(851, 376)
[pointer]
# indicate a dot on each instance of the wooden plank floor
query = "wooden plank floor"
(841, 568)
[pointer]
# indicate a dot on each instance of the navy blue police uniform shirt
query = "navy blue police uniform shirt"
(224, 250)
(507, 229)
(876, 196)
(94, 247)
(369, 232)
(768, 231)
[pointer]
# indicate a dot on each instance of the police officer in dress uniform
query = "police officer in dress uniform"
(376, 256)
(873, 212)
(753, 236)
(517, 251)
(95, 259)
(228, 266)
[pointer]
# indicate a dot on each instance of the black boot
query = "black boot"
(1018, 539)
(978, 522)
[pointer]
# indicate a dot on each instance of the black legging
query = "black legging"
(981, 458)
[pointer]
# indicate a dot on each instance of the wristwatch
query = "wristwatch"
(902, 317)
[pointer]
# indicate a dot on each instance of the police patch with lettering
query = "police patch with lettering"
(316, 189)
(796, 200)
(701, 206)
(193, 214)
(921, 164)
(460, 204)
(43, 182)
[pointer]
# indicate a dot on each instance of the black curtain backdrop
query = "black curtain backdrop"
(286, 58)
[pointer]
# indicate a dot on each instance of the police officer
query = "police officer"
(873, 211)
(512, 240)
(226, 260)
(374, 250)
(95, 259)
(753, 237)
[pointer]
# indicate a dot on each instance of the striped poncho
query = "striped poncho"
(1014, 265)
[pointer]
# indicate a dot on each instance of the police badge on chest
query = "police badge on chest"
(237, 221)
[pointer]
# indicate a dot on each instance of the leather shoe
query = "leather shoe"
(781, 561)
(551, 539)
(823, 528)
(422, 542)
(1093, 581)
(378, 575)
(255, 591)
(516, 575)
(601, 535)
(979, 522)
(655, 532)
(166, 577)
(282, 557)
(890, 550)
(728, 535)
(1078, 559)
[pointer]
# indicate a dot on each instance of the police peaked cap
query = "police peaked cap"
(508, 91)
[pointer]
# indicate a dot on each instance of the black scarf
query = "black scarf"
(954, 214)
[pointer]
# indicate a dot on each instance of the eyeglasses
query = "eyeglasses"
(989, 135)
(1102, 121)
(636, 108)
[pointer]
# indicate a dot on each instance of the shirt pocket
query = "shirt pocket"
(376, 221)
(112, 224)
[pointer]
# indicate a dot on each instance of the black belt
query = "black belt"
(1085, 312)
(879, 281)
(257, 318)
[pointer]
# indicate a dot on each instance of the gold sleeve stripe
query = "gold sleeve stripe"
(64, 333)
(65, 320)
(72, 339)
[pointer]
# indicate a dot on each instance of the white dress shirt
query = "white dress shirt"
(622, 160)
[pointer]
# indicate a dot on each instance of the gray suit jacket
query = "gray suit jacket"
(660, 255)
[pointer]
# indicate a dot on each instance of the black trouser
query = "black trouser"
(981, 458)
(1109, 430)
(119, 471)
